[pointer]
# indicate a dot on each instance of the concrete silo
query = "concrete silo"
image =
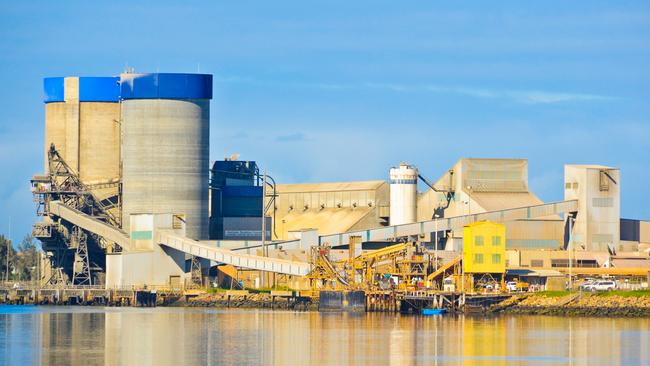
(82, 117)
(165, 147)
(403, 194)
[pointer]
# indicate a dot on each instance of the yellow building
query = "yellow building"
(484, 248)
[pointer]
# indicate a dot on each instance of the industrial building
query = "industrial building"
(128, 198)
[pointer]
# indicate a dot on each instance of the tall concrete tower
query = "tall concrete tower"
(165, 147)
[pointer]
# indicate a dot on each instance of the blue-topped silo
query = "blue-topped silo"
(165, 147)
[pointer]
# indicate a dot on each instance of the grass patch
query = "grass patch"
(622, 293)
(267, 290)
(553, 293)
(214, 290)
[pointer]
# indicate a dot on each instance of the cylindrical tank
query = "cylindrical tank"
(165, 147)
(82, 121)
(403, 194)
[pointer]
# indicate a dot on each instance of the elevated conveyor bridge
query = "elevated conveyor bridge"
(451, 223)
(204, 250)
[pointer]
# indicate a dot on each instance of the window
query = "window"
(496, 258)
(496, 241)
(478, 240)
(478, 258)
(602, 202)
(567, 185)
(537, 263)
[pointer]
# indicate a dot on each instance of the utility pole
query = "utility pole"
(570, 248)
(8, 247)
(435, 241)
(264, 249)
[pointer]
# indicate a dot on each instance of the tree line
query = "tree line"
(22, 261)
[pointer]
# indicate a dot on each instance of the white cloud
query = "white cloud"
(517, 96)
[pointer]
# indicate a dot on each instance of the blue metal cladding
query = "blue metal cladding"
(242, 191)
(99, 89)
(132, 86)
(53, 90)
(91, 89)
(166, 86)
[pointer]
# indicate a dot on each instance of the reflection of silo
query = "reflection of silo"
(403, 194)
(82, 121)
(165, 147)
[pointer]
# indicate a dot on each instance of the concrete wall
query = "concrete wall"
(151, 268)
(530, 258)
(87, 135)
(165, 160)
(599, 213)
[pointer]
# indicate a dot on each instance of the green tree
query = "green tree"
(6, 245)
(27, 259)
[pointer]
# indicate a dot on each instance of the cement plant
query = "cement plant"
(132, 211)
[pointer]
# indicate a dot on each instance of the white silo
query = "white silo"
(165, 147)
(403, 194)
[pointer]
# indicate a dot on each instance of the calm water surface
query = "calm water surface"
(178, 336)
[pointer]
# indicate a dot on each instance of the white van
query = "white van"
(601, 285)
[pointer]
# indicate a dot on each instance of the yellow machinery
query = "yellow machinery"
(452, 268)
(362, 271)
(480, 267)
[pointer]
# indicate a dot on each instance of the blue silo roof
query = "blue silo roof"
(91, 89)
(53, 90)
(166, 86)
(132, 86)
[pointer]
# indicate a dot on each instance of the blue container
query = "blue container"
(433, 311)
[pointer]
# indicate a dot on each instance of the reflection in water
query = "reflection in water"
(177, 336)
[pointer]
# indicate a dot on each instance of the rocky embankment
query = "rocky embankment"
(580, 304)
(252, 300)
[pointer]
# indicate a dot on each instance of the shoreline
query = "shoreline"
(577, 304)
(617, 304)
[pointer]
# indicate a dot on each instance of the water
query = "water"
(189, 336)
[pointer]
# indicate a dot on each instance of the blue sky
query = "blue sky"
(341, 90)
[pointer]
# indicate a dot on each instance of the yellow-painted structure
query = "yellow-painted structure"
(484, 248)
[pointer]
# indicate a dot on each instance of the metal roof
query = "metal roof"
(330, 186)
(492, 201)
(533, 272)
(326, 221)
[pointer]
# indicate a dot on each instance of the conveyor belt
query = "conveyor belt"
(203, 250)
(186, 245)
(451, 223)
(91, 224)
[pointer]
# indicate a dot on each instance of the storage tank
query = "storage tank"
(403, 194)
(165, 147)
(82, 120)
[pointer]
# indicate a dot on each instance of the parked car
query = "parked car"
(515, 286)
(586, 286)
(606, 285)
